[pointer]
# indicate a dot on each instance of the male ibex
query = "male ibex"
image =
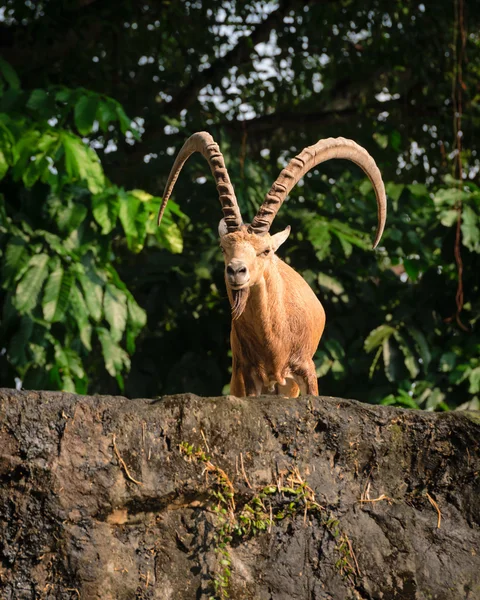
(277, 321)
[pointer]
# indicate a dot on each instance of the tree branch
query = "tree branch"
(237, 55)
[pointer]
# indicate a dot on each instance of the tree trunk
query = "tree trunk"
(312, 498)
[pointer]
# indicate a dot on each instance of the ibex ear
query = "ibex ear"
(222, 228)
(279, 238)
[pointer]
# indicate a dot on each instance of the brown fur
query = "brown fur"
(276, 334)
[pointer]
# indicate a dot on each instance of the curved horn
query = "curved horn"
(311, 157)
(204, 143)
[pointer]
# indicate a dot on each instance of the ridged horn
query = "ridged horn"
(204, 143)
(311, 157)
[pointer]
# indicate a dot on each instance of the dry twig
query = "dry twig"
(379, 499)
(243, 471)
(123, 464)
(435, 506)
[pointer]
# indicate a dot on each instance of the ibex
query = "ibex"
(277, 321)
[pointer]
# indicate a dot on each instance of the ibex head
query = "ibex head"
(247, 254)
(249, 249)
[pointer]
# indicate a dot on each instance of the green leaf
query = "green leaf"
(85, 112)
(116, 359)
(57, 294)
(412, 268)
(377, 336)
(418, 189)
(375, 361)
(105, 208)
(115, 307)
(474, 379)
(16, 261)
(9, 74)
(447, 361)
(171, 238)
(137, 316)
(7, 144)
(421, 345)
(470, 229)
(330, 284)
(106, 113)
(82, 163)
(381, 139)
(319, 236)
(80, 313)
(29, 288)
(133, 217)
(137, 319)
(390, 360)
(126, 123)
(71, 216)
(409, 358)
(395, 140)
(3, 165)
(92, 285)
(64, 95)
(394, 190)
(38, 101)
(448, 197)
(448, 217)
(129, 205)
(47, 144)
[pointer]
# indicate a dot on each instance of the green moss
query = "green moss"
(270, 505)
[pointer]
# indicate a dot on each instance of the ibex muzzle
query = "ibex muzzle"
(237, 274)
(277, 321)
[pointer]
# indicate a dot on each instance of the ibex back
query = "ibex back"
(277, 321)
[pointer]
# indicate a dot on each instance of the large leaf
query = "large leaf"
(319, 235)
(115, 307)
(137, 319)
(57, 294)
(391, 361)
(377, 336)
(129, 205)
(126, 122)
(3, 165)
(16, 261)
(409, 358)
(330, 284)
(9, 74)
(82, 163)
(136, 315)
(7, 144)
(80, 313)
(116, 359)
(38, 101)
(171, 238)
(92, 285)
(421, 345)
(85, 112)
(470, 229)
(105, 208)
(29, 288)
(106, 113)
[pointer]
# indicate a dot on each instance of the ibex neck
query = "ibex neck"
(264, 307)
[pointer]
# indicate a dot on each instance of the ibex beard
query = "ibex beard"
(277, 321)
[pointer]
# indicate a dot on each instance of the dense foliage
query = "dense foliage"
(79, 250)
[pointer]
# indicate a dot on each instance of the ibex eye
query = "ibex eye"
(265, 252)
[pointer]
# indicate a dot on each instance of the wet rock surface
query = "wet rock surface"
(98, 502)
